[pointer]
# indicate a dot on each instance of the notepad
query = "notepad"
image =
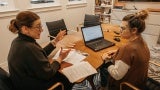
(78, 71)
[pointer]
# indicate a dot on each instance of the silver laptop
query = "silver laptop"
(93, 38)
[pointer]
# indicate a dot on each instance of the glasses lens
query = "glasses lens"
(123, 28)
(38, 27)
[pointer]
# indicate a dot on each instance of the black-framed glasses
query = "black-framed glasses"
(39, 27)
(123, 28)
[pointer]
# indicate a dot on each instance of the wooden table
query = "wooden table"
(94, 58)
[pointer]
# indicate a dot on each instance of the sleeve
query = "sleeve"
(49, 48)
(122, 63)
(38, 64)
(118, 70)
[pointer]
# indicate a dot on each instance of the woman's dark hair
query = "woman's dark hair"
(137, 20)
(24, 18)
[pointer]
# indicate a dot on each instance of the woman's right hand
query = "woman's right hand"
(60, 35)
(109, 54)
(63, 54)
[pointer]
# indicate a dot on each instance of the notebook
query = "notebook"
(94, 39)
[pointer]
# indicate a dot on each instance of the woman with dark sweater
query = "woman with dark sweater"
(29, 66)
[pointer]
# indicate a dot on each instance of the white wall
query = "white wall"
(72, 17)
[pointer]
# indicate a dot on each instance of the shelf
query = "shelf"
(103, 9)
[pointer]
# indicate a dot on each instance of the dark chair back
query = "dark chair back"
(55, 26)
(5, 81)
(152, 84)
(91, 20)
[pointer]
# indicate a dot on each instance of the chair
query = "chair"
(151, 84)
(128, 85)
(55, 26)
(6, 83)
(57, 85)
(91, 20)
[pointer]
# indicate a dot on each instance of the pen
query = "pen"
(51, 36)
(69, 30)
(72, 30)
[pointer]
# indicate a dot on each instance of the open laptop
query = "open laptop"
(94, 38)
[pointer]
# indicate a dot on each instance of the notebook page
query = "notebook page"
(73, 57)
(78, 71)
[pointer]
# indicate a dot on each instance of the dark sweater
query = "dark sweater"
(28, 64)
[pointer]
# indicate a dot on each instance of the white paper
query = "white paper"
(78, 71)
(73, 57)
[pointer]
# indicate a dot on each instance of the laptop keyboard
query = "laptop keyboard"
(98, 44)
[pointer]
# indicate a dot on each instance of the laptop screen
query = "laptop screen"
(92, 33)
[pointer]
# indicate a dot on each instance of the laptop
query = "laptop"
(94, 39)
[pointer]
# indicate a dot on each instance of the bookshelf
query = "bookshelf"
(104, 9)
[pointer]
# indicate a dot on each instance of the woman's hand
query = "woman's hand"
(60, 35)
(70, 45)
(109, 54)
(63, 54)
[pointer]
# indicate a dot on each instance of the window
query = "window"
(44, 3)
(3, 3)
(6, 5)
(76, 3)
(41, 1)
(75, 0)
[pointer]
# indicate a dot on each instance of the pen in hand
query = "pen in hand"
(51, 36)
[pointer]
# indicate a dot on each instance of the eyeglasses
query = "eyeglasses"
(123, 28)
(39, 27)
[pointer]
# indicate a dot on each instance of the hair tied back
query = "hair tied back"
(13, 26)
(143, 14)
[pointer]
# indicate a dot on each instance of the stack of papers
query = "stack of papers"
(73, 57)
(78, 71)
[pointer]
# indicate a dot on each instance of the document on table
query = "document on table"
(73, 57)
(78, 71)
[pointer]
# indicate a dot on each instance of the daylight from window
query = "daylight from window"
(75, 0)
(41, 1)
(3, 3)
